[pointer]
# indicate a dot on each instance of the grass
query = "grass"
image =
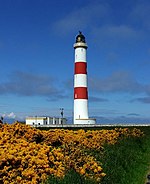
(126, 162)
(71, 178)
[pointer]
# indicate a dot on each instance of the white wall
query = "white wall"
(33, 121)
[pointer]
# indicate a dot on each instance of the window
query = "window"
(45, 121)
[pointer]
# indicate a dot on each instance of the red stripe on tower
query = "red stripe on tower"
(80, 68)
(80, 93)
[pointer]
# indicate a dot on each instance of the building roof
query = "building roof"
(41, 117)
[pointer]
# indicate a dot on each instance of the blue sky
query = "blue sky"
(37, 57)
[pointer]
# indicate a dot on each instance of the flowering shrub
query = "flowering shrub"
(29, 155)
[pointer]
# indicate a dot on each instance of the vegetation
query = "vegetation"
(128, 161)
(29, 155)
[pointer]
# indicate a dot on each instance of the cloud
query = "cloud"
(145, 100)
(27, 84)
(68, 83)
(140, 14)
(9, 115)
(97, 99)
(148, 89)
(112, 58)
(82, 17)
(120, 81)
(112, 35)
(56, 97)
(133, 114)
(105, 112)
(117, 31)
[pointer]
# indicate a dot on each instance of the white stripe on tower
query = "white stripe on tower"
(80, 80)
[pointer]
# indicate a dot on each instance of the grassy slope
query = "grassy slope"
(71, 178)
(128, 161)
(124, 163)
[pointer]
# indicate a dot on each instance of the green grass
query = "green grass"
(71, 178)
(126, 162)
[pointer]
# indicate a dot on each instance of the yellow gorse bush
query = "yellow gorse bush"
(29, 155)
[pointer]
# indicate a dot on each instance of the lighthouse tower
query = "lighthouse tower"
(80, 83)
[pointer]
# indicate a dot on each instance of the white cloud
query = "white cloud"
(82, 17)
(9, 115)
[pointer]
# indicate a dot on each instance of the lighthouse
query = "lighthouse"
(80, 83)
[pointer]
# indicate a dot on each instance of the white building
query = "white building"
(45, 120)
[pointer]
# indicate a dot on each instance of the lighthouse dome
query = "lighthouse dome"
(80, 38)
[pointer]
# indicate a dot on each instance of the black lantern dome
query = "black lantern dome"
(80, 38)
